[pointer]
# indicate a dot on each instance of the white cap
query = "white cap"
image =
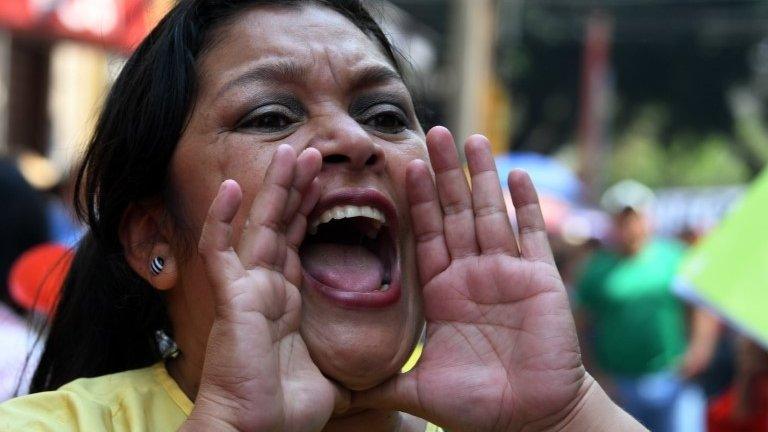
(627, 194)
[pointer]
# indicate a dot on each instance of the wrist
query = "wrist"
(200, 422)
(209, 415)
(222, 413)
(594, 411)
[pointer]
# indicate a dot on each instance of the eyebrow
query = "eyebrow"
(367, 100)
(289, 71)
(373, 75)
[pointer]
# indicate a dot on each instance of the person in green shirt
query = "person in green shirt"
(638, 325)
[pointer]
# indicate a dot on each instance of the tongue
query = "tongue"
(344, 267)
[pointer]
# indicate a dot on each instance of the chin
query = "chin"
(358, 366)
(359, 350)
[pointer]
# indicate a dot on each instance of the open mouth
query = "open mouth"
(350, 255)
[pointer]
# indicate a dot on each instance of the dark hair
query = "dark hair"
(107, 315)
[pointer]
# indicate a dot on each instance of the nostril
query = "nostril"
(335, 158)
(372, 160)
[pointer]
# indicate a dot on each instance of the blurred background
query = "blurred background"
(668, 92)
(584, 94)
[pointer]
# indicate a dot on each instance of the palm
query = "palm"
(501, 351)
(498, 336)
(256, 360)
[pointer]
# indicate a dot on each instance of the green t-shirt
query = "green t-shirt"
(639, 324)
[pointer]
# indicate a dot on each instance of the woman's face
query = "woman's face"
(309, 78)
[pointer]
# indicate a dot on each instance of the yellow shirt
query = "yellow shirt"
(137, 400)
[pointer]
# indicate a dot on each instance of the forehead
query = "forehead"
(314, 40)
(628, 216)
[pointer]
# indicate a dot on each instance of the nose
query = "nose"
(346, 144)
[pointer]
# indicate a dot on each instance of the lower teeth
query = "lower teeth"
(384, 288)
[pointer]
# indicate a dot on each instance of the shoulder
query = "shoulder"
(596, 267)
(123, 401)
(601, 259)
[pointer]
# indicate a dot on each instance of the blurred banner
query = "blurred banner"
(557, 185)
(114, 24)
(728, 270)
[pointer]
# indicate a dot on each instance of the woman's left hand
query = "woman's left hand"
(501, 352)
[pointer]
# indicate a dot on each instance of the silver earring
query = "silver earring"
(167, 346)
(156, 265)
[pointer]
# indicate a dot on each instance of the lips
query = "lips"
(350, 253)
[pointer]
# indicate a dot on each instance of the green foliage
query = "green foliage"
(689, 92)
(686, 159)
(637, 153)
(695, 160)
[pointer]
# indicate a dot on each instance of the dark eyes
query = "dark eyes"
(271, 122)
(272, 119)
(269, 119)
(387, 119)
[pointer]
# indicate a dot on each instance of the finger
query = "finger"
(453, 192)
(432, 254)
(308, 166)
(492, 228)
(263, 242)
(297, 230)
(222, 263)
(534, 244)
(400, 393)
(301, 200)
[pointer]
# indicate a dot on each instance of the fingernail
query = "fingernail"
(226, 184)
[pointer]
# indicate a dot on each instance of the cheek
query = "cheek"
(198, 171)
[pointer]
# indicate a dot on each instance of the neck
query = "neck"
(186, 374)
(632, 249)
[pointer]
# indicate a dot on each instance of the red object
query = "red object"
(117, 24)
(722, 416)
(37, 275)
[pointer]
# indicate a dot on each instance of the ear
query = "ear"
(146, 248)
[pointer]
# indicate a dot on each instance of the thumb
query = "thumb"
(399, 393)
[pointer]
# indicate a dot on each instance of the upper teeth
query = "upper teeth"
(348, 211)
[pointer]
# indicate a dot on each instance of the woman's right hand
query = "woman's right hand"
(257, 374)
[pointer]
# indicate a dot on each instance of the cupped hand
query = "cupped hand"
(257, 373)
(501, 350)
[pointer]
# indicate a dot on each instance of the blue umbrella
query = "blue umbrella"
(549, 175)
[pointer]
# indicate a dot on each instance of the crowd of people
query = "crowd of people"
(670, 364)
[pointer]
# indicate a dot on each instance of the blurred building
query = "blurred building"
(669, 92)
(57, 59)
(463, 89)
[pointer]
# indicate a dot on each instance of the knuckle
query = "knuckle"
(531, 229)
(488, 210)
(456, 207)
(428, 236)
